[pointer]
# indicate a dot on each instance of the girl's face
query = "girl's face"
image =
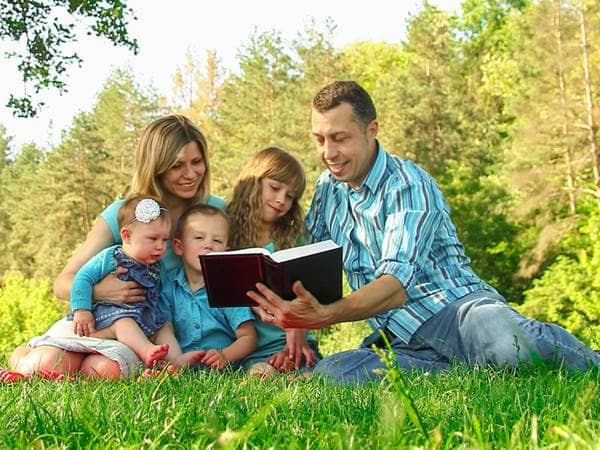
(276, 199)
(202, 234)
(146, 242)
(184, 178)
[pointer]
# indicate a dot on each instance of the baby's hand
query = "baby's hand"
(215, 359)
(83, 322)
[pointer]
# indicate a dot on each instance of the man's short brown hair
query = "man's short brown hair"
(349, 92)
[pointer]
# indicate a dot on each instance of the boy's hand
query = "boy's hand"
(215, 359)
(83, 322)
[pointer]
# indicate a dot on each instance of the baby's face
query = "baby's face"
(148, 241)
(202, 234)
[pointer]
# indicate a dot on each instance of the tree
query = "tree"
(122, 111)
(20, 189)
(42, 30)
(258, 106)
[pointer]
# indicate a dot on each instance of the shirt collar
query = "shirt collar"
(374, 176)
(181, 280)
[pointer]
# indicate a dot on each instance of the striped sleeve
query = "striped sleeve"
(410, 228)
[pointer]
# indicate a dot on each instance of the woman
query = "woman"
(171, 164)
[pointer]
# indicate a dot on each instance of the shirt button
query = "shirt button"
(196, 325)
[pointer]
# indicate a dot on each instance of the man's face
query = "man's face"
(346, 147)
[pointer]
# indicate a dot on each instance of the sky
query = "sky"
(166, 30)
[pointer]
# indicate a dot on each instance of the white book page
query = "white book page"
(305, 250)
(244, 251)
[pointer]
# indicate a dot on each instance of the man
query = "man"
(407, 269)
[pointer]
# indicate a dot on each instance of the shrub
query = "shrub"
(27, 308)
(568, 292)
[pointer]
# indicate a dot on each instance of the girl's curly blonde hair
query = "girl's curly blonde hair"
(245, 207)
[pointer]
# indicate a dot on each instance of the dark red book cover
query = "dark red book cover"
(229, 275)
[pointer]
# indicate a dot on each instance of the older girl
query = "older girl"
(265, 211)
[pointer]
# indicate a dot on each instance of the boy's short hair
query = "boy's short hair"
(338, 92)
(126, 214)
(202, 209)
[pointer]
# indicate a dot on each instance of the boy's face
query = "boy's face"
(146, 242)
(202, 234)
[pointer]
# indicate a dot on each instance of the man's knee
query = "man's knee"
(491, 333)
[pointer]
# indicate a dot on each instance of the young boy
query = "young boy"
(226, 335)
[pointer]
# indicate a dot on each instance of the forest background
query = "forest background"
(499, 102)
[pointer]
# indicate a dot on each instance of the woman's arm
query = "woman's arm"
(110, 288)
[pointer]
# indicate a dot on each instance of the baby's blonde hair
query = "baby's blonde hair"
(245, 207)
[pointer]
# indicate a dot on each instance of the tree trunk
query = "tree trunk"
(567, 153)
(589, 102)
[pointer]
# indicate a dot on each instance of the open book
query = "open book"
(229, 275)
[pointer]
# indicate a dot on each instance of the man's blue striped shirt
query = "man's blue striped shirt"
(396, 223)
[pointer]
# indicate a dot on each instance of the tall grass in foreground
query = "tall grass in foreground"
(529, 408)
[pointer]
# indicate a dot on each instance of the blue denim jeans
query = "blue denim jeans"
(479, 329)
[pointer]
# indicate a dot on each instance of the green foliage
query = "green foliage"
(342, 336)
(45, 29)
(27, 308)
(51, 198)
(568, 292)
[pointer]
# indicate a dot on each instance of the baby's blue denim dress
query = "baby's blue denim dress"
(146, 313)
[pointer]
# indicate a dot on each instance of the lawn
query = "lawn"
(528, 408)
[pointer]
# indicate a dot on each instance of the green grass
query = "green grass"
(528, 408)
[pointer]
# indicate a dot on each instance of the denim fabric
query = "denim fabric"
(146, 313)
(479, 329)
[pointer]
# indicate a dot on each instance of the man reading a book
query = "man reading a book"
(402, 257)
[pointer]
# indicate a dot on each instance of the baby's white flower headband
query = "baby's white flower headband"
(147, 210)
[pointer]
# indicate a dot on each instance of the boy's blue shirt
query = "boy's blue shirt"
(198, 326)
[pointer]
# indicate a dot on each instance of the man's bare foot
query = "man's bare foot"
(187, 359)
(263, 371)
(156, 353)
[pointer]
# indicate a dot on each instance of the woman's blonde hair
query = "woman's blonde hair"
(158, 150)
(245, 208)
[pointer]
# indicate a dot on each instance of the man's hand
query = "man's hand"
(110, 288)
(83, 322)
(302, 312)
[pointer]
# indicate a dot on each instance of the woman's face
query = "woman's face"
(276, 199)
(184, 178)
